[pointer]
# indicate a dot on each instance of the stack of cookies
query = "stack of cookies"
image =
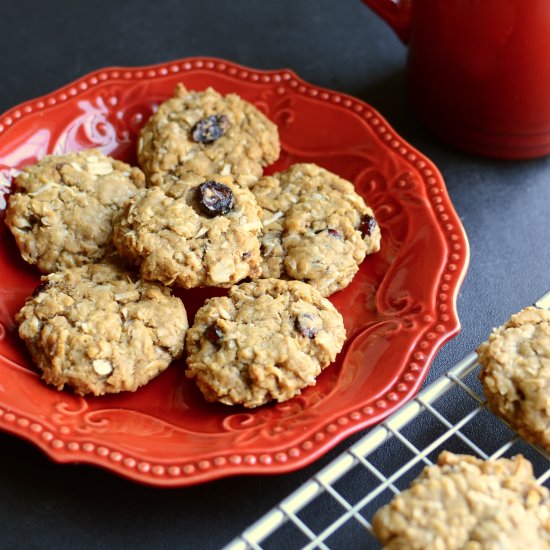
(115, 240)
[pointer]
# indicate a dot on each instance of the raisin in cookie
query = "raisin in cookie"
(464, 502)
(101, 330)
(265, 341)
(62, 211)
(515, 373)
(191, 232)
(316, 228)
(207, 133)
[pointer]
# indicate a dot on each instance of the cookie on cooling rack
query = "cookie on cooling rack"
(63, 208)
(466, 502)
(263, 342)
(207, 133)
(190, 232)
(515, 373)
(99, 329)
(316, 228)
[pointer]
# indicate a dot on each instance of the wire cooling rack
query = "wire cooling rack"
(333, 510)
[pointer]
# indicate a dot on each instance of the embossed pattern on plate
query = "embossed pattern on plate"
(398, 311)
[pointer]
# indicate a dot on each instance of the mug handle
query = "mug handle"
(396, 13)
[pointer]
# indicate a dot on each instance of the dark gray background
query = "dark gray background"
(335, 44)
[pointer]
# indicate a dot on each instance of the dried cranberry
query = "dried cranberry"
(209, 129)
(334, 233)
(368, 225)
(215, 198)
(305, 326)
(331, 232)
(213, 334)
(40, 288)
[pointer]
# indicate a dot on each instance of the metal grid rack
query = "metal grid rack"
(449, 414)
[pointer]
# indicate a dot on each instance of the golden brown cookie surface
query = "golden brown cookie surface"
(465, 502)
(100, 329)
(63, 208)
(265, 341)
(316, 228)
(207, 133)
(515, 373)
(190, 232)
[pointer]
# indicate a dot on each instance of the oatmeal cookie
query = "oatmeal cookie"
(515, 373)
(63, 208)
(207, 133)
(265, 341)
(100, 329)
(316, 228)
(464, 502)
(191, 232)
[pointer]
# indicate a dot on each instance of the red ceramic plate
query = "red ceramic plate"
(398, 311)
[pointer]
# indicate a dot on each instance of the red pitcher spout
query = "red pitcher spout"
(396, 13)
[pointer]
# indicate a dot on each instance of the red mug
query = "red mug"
(478, 70)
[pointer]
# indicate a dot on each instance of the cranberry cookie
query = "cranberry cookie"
(100, 329)
(464, 502)
(265, 341)
(515, 373)
(207, 133)
(63, 208)
(316, 228)
(190, 232)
